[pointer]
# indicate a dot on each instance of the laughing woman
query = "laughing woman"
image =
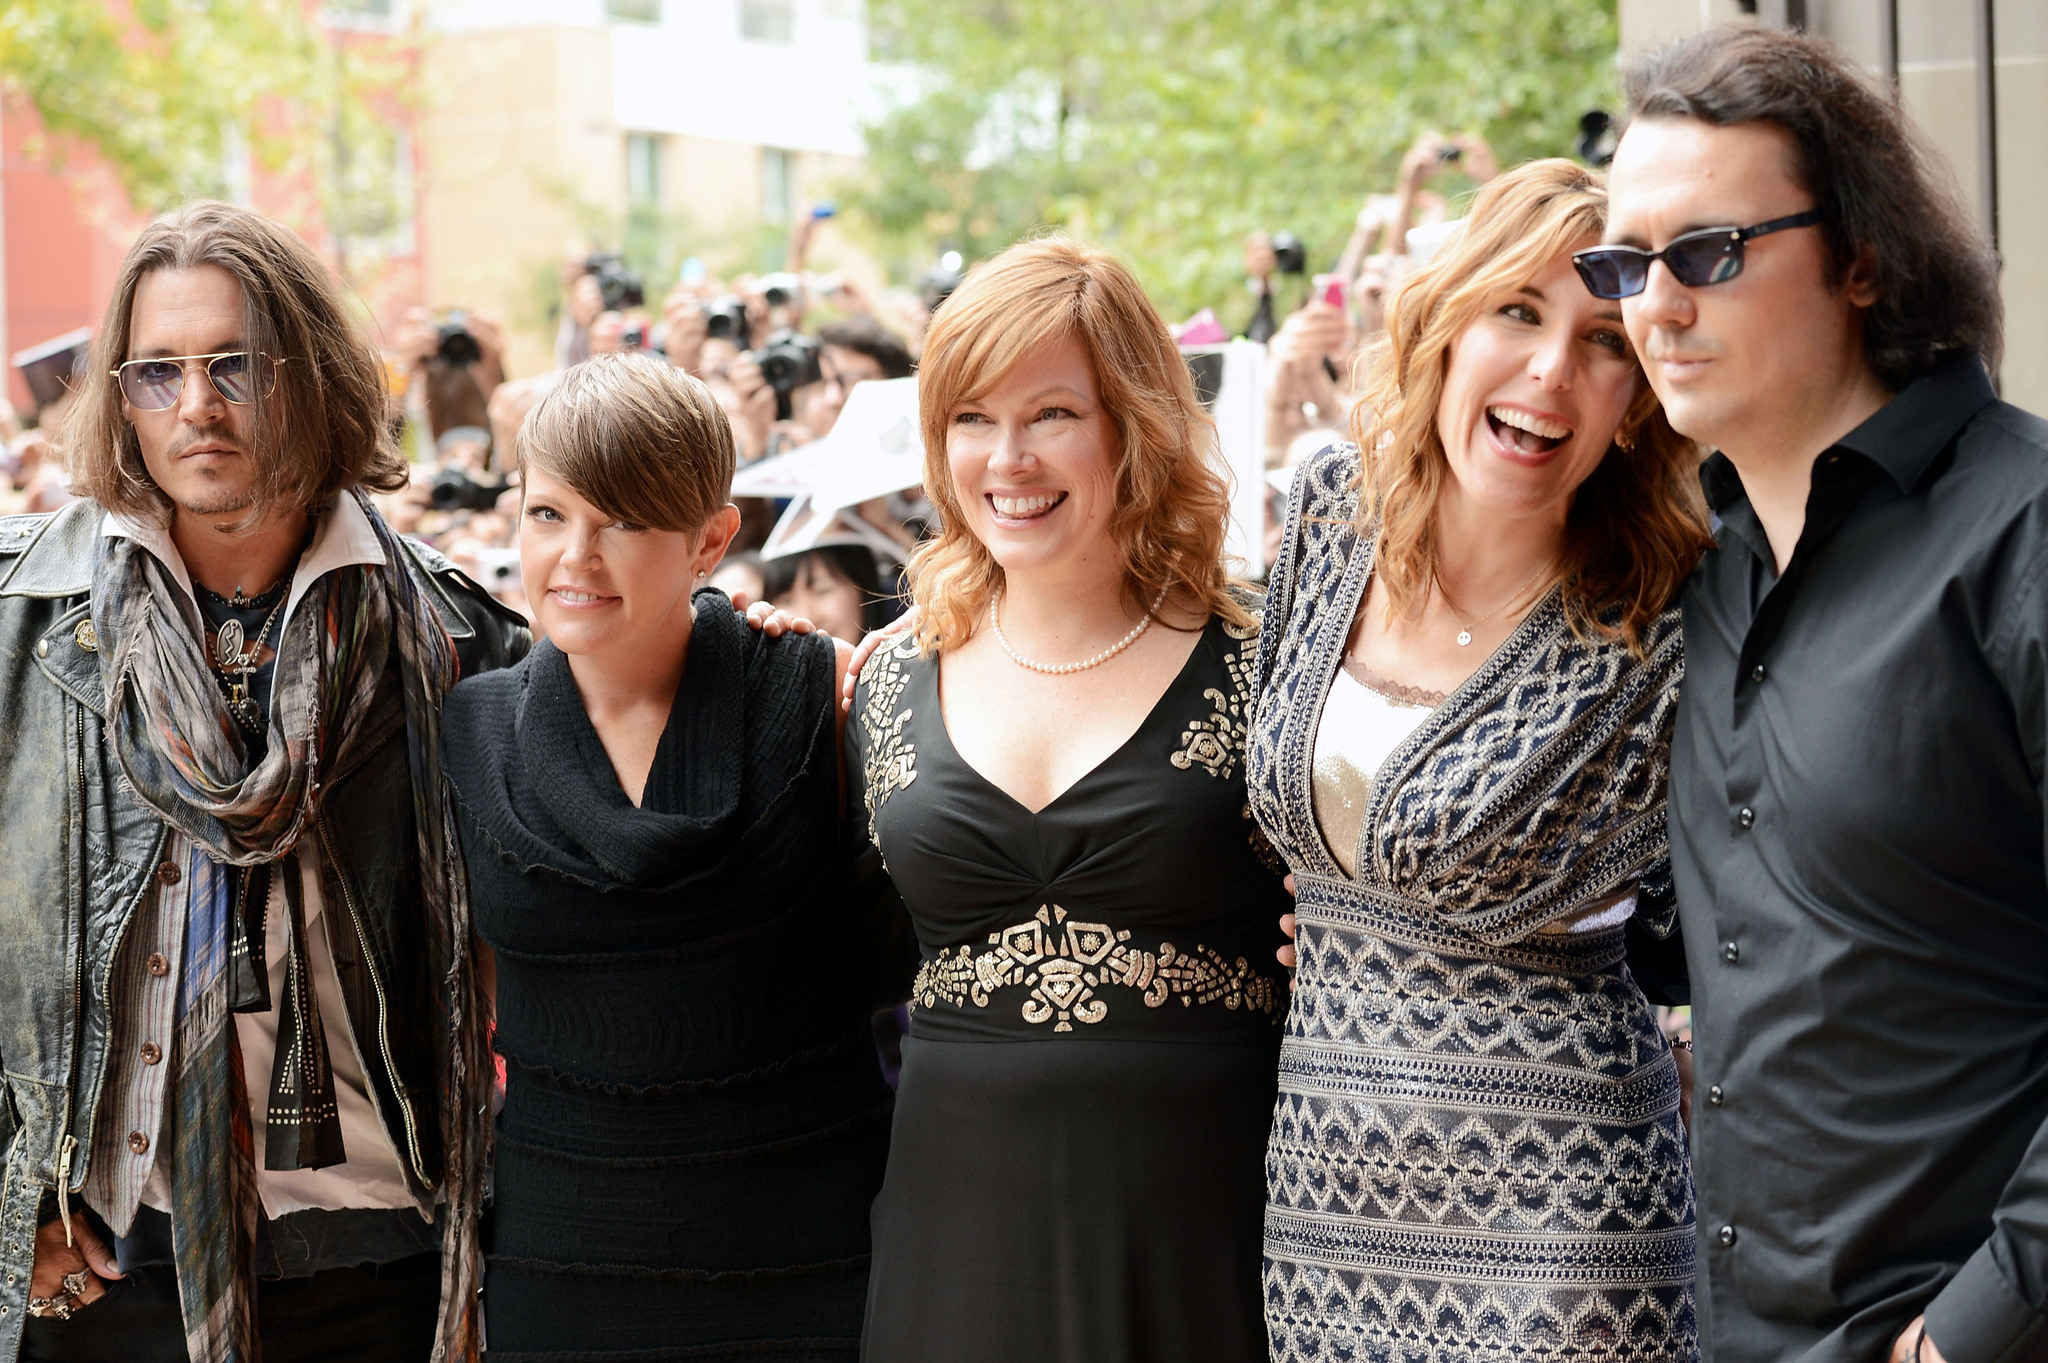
(1467, 683)
(695, 1122)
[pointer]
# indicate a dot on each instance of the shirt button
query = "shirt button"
(158, 966)
(152, 1053)
(1756, 674)
(168, 872)
(138, 1142)
(1714, 1096)
(1726, 1235)
(1730, 952)
(1744, 816)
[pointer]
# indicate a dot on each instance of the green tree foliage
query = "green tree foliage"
(166, 91)
(1169, 129)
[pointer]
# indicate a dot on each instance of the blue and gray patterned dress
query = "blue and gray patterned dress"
(1476, 1150)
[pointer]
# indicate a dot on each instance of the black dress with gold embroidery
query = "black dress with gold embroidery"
(1077, 1165)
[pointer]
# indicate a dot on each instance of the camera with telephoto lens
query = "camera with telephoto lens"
(725, 319)
(454, 490)
(455, 345)
(1289, 255)
(788, 361)
(622, 288)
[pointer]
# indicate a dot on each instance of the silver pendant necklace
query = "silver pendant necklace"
(237, 665)
(1467, 626)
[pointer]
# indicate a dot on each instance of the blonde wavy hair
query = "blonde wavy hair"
(1637, 525)
(1172, 497)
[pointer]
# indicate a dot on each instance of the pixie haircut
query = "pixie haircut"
(1884, 193)
(1172, 499)
(322, 429)
(635, 437)
(1636, 525)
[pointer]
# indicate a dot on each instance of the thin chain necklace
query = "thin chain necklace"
(995, 621)
(1542, 580)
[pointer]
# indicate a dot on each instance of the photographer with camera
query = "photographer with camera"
(456, 360)
(593, 285)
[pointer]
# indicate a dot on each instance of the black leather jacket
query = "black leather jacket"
(77, 851)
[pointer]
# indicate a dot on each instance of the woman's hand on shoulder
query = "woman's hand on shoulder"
(876, 638)
(763, 616)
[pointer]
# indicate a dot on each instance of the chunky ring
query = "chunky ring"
(53, 1308)
(74, 1284)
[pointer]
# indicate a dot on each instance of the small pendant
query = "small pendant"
(1464, 638)
(243, 707)
(227, 647)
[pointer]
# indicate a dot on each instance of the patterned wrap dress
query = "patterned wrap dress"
(1476, 1151)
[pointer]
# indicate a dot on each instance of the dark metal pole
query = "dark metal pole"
(1888, 40)
(1987, 120)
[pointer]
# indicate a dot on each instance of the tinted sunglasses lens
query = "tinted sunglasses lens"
(151, 385)
(1705, 260)
(242, 377)
(1611, 274)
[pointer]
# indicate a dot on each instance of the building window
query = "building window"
(778, 184)
(643, 169)
(633, 11)
(768, 21)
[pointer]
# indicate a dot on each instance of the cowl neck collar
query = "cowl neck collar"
(694, 791)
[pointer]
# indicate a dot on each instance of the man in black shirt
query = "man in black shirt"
(1856, 792)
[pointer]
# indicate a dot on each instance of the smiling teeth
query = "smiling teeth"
(577, 598)
(1534, 425)
(1024, 506)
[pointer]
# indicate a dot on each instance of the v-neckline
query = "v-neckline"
(1432, 725)
(1085, 777)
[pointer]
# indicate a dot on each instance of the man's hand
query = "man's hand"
(586, 300)
(54, 1259)
(1478, 159)
(1903, 1346)
(683, 329)
(1422, 162)
(757, 402)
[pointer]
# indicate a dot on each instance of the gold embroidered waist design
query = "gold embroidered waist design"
(1063, 964)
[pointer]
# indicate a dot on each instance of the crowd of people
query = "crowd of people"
(1655, 619)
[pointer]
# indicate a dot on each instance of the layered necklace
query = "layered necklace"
(235, 658)
(995, 622)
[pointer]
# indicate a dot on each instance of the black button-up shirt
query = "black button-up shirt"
(1857, 837)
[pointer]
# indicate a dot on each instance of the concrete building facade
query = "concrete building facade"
(728, 115)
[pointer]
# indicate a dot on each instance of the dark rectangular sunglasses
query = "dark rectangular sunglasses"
(1712, 255)
(240, 376)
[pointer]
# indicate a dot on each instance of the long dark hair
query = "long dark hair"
(322, 430)
(1883, 189)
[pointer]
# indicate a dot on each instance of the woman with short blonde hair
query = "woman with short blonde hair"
(1053, 773)
(1466, 688)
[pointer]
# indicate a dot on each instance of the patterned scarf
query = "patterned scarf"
(183, 754)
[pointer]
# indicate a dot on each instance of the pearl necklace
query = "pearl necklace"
(995, 621)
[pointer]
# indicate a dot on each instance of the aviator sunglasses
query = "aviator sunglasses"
(1712, 255)
(240, 376)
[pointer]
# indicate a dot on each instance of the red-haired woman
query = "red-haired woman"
(1053, 774)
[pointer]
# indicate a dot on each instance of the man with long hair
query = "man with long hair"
(1856, 777)
(245, 1060)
